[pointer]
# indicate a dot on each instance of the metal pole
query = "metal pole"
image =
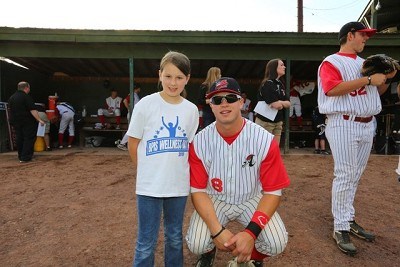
(131, 86)
(374, 15)
(286, 145)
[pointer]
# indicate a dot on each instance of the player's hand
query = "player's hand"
(220, 240)
(41, 122)
(378, 79)
(244, 244)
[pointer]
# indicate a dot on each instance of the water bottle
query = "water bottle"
(84, 111)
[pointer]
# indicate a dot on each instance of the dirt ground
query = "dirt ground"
(77, 208)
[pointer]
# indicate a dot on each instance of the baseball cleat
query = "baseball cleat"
(360, 232)
(207, 259)
(343, 242)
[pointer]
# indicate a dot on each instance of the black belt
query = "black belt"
(358, 119)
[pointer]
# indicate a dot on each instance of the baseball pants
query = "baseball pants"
(271, 241)
(105, 112)
(67, 120)
(351, 144)
(295, 105)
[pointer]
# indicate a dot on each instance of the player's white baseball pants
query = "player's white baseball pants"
(105, 112)
(271, 241)
(351, 144)
(67, 119)
(295, 105)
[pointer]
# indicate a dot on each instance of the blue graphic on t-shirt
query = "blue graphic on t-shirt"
(169, 143)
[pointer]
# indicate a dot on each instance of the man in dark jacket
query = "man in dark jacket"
(24, 118)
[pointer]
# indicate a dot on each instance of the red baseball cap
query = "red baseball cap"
(355, 26)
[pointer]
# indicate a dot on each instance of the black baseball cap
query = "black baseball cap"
(224, 84)
(355, 26)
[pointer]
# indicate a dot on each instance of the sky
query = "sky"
(201, 15)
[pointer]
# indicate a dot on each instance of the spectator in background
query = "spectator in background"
(136, 98)
(112, 109)
(43, 116)
(24, 118)
(67, 114)
(123, 144)
(213, 74)
(295, 107)
(319, 128)
(272, 91)
(246, 108)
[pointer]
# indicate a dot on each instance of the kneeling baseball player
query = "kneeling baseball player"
(236, 174)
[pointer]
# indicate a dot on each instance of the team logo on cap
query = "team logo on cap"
(223, 84)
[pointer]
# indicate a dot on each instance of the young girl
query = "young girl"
(161, 128)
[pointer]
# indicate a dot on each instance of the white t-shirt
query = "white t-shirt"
(165, 131)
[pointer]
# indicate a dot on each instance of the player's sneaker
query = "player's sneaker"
(324, 152)
(251, 263)
(317, 151)
(343, 242)
(360, 232)
(117, 127)
(117, 142)
(122, 147)
(207, 259)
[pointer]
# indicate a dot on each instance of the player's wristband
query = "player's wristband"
(257, 224)
(369, 80)
(217, 234)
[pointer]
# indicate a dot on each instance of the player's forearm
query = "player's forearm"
(205, 208)
(269, 204)
(347, 87)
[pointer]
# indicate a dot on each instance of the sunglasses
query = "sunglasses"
(231, 98)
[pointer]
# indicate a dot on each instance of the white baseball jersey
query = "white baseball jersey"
(113, 103)
(350, 141)
(238, 171)
(362, 102)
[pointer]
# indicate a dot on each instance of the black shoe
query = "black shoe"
(343, 242)
(25, 161)
(207, 259)
(324, 152)
(360, 232)
(317, 151)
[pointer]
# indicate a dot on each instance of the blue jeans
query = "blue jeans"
(149, 216)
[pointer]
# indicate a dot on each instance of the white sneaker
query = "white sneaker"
(117, 127)
(122, 147)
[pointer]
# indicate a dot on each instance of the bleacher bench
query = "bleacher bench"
(88, 128)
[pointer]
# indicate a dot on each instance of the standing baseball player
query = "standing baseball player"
(350, 101)
(67, 114)
(236, 174)
(112, 109)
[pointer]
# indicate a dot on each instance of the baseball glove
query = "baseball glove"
(379, 64)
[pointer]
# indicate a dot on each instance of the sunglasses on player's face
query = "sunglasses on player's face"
(231, 98)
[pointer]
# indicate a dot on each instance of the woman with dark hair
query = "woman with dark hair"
(272, 91)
